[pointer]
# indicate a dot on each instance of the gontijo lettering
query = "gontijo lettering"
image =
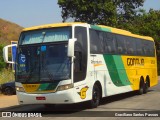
(135, 62)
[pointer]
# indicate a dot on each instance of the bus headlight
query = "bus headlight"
(20, 89)
(64, 87)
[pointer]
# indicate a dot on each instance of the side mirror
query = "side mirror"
(71, 43)
(5, 53)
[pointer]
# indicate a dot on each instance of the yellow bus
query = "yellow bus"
(75, 62)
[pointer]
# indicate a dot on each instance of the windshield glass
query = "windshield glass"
(42, 63)
(45, 35)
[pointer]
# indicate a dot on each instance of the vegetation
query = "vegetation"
(106, 12)
(2, 63)
(8, 32)
(6, 75)
(124, 14)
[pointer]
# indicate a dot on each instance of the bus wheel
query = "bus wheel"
(141, 87)
(146, 86)
(95, 97)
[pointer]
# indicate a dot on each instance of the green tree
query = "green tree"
(147, 24)
(106, 12)
(2, 63)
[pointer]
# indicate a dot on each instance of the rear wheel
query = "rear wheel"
(141, 87)
(146, 87)
(95, 97)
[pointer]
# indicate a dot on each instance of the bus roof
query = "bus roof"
(125, 32)
(51, 26)
(99, 27)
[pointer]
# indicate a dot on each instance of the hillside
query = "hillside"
(9, 32)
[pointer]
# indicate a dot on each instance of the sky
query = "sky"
(28, 13)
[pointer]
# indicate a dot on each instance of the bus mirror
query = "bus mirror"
(5, 53)
(71, 43)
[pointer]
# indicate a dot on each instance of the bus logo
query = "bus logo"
(135, 62)
(83, 91)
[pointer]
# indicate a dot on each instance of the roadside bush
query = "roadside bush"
(2, 63)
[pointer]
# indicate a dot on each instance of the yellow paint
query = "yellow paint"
(96, 65)
(135, 70)
(127, 33)
(33, 88)
(51, 26)
(83, 92)
(29, 88)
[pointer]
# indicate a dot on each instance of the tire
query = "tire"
(141, 87)
(95, 97)
(8, 91)
(146, 87)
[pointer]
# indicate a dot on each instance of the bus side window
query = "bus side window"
(130, 45)
(139, 47)
(148, 48)
(78, 61)
(96, 41)
(121, 42)
(109, 43)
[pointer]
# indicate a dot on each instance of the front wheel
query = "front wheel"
(95, 97)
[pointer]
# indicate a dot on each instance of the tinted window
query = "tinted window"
(139, 50)
(96, 42)
(148, 48)
(130, 45)
(109, 43)
(45, 35)
(80, 65)
(121, 44)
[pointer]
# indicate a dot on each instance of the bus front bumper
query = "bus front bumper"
(60, 97)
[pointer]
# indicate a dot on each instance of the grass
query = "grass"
(6, 75)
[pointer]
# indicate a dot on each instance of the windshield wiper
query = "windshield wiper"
(30, 74)
(50, 76)
(44, 68)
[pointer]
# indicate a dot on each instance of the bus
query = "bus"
(66, 63)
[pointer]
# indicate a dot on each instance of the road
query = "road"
(111, 106)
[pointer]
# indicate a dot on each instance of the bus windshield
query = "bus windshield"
(45, 35)
(42, 63)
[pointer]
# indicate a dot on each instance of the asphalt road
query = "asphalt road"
(114, 106)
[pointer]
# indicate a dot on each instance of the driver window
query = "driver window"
(80, 62)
